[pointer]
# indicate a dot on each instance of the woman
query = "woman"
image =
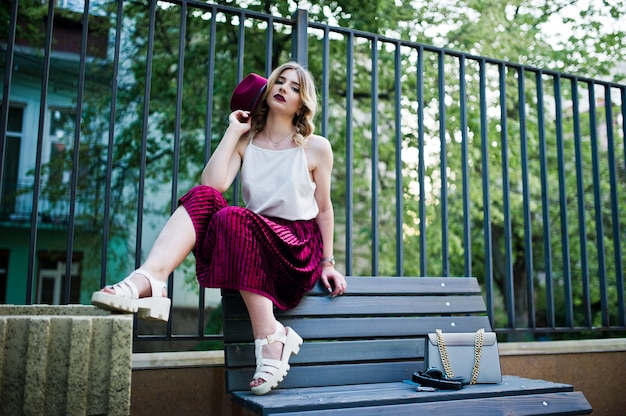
(273, 250)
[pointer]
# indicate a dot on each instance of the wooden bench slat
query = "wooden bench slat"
(386, 397)
(406, 286)
(346, 328)
(372, 305)
(331, 375)
(341, 351)
(573, 403)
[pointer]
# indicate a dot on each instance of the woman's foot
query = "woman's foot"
(272, 358)
(272, 351)
(139, 292)
(141, 279)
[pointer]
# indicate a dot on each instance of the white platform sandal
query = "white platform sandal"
(126, 299)
(274, 371)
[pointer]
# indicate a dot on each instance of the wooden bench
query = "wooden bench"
(361, 349)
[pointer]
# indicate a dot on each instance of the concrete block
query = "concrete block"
(64, 360)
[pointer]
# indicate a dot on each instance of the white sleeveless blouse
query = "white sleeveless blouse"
(277, 183)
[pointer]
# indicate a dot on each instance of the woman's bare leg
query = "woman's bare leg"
(264, 323)
(174, 243)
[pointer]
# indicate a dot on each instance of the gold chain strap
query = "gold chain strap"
(443, 352)
(478, 349)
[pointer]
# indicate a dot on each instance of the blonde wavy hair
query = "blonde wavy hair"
(303, 120)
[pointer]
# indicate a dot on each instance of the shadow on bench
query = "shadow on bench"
(359, 349)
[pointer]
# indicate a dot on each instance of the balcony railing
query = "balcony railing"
(17, 206)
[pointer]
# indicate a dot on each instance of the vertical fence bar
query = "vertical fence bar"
(240, 63)
(565, 251)
(528, 233)
(111, 142)
(484, 144)
(580, 191)
(467, 239)
(34, 218)
(399, 180)
(595, 162)
(208, 135)
(144, 135)
(299, 39)
(269, 41)
(180, 78)
(180, 72)
(349, 151)
(325, 81)
(623, 107)
(445, 249)
(615, 220)
(6, 89)
(241, 41)
(208, 132)
(545, 200)
(374, 150)
(421, 169)
(620, 276)
(509, 277)
(76, 154)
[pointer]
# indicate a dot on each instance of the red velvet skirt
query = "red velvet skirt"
(237, 249)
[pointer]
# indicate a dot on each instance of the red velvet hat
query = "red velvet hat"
(248, 92)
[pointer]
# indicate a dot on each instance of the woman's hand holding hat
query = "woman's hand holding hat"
(240, 120)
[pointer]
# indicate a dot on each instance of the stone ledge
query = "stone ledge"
(58, 360)
(562, 347)
(142, 361)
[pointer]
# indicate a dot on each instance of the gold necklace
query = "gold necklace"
(280, 141)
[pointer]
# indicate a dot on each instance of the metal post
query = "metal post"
(299, 41)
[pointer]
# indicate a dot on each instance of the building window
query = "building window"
(51, 284)
(11, 161)
(62, 128)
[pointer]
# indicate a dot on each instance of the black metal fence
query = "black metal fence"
(447, 163)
